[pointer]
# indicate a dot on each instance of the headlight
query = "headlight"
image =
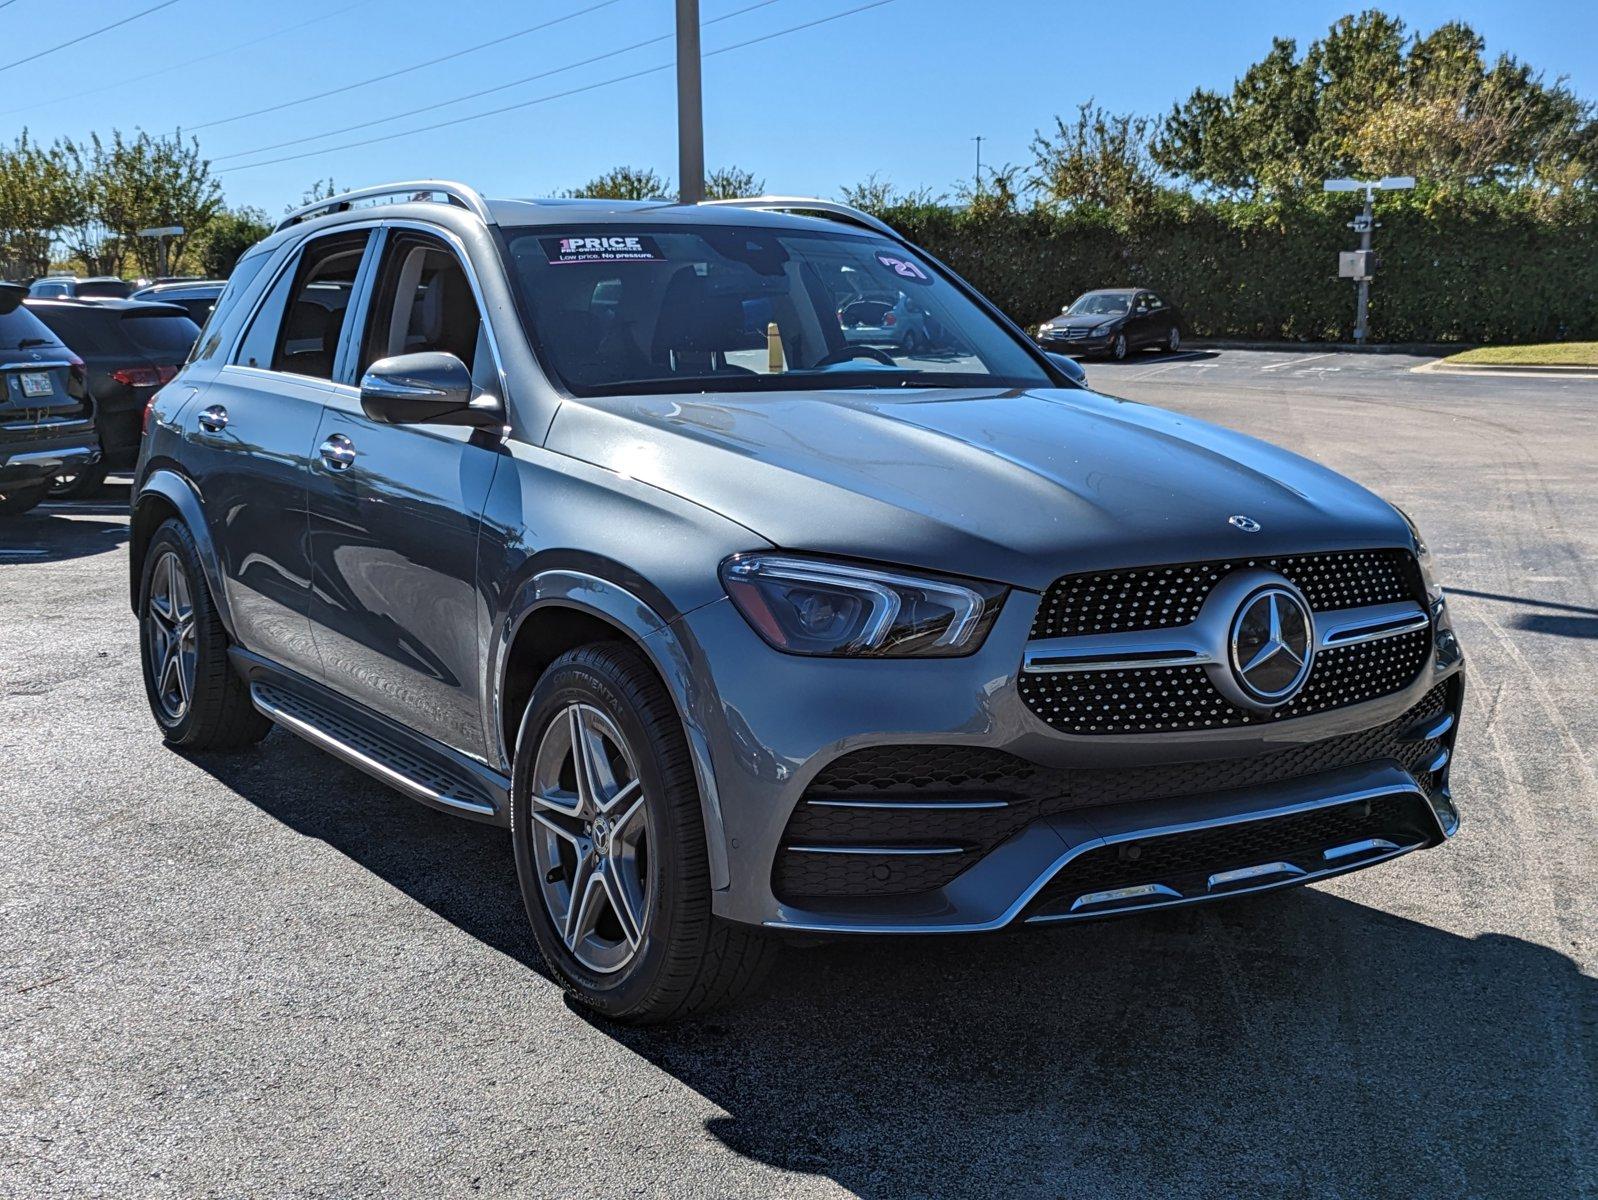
(1421, 549)
(812, 606)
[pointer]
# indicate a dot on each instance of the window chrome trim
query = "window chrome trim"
(293, 249)
(458, 247)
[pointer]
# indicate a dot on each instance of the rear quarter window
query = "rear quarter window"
(166, 338)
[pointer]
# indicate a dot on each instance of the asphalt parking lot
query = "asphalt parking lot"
(266, 975)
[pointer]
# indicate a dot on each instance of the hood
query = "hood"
(1018, 487)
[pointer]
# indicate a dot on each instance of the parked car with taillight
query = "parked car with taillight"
(130, 349)
(46, 420)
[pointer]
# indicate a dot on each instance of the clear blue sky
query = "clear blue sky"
(899, 89)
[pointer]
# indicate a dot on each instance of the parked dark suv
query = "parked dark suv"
(46, 419)
(129, 349)
(586, 519)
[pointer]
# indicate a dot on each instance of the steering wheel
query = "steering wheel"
(845, 353)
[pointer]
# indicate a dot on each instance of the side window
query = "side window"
(213, 315)
(423, 302)
(302, 319)
(1155, 303)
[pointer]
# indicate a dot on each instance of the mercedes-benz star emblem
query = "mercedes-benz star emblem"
(1273, 641)
(1246, 524)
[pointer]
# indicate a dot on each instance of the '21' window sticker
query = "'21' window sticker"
(903, 268)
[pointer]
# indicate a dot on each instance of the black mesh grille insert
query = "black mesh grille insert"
(1156, 597)
(937, 779)
(1161, 699)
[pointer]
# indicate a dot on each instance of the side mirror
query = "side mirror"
(11, 295)
(1064, 308)
(425, 389)
(1069, 367)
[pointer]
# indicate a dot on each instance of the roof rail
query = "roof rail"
(800, 204)
(457, 194)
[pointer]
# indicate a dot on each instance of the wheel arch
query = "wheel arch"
(560, 608)
(163, 495)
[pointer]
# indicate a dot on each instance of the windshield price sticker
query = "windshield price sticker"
(903, 268)
(605, 249)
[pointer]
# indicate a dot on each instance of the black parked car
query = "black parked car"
(130, 349)
(1113, 322)
(197, 297)
(46, 424)
(70, 287)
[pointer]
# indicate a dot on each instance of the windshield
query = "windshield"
(664, 308)
(1099, 304)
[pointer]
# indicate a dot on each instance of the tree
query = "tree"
(877, 195)
(1368, 99)
(226, 237)
(37, 195)
(623, 183)
(1100, 160)
(732, 183)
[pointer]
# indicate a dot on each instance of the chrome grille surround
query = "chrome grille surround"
(1147, 651)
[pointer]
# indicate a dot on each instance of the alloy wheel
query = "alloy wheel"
(590, 838)
(170, 640)
(1174, 342)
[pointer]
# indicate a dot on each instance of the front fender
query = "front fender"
(168, 486)
(664, 643)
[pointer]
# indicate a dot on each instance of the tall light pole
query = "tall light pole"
(690, 106)
(979, 139)
(1361, 264)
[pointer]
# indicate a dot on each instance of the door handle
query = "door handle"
(213, 418)
(338, 452)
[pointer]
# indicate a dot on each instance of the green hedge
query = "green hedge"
(1486, 266)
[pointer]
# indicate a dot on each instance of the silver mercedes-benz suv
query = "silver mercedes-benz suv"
(593, 521)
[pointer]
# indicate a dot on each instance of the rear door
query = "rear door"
(396, 510)
(251, 435)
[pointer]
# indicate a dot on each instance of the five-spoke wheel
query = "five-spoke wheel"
(590, 838)
(169, 635)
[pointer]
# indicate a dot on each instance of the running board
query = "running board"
(424, 779)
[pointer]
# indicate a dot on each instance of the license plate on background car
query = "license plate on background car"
(36, 383)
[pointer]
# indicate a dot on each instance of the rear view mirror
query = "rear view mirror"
(425, 389)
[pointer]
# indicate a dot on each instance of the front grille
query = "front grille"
(1162, 699)
(1184, 862)
(938, 779)
(1157, 597)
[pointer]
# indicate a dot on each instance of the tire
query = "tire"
(1173, 340)
(79, 484)
(650, 852)
(197, 699)
(1118, 348)
(15, 502)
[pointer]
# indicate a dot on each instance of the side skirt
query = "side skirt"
(419, 767)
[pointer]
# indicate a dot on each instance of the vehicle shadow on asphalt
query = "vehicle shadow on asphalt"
(55, 533)
(1295, 1044)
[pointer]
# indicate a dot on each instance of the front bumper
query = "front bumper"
(772, 723)
(1093, 343)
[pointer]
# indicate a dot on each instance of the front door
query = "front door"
(251, 434)
(395, 513)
